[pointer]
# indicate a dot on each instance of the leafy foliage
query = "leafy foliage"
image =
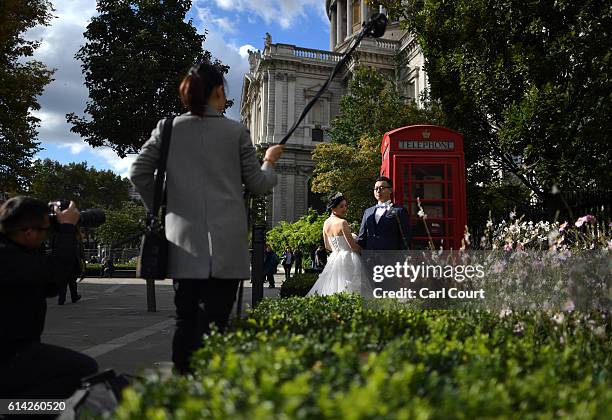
(136, 54)
(305, 233)
(332, 357)
(351, 162)
(87, 187)
(527, 83)
(121, 223)
(21, 82)
(298, 285)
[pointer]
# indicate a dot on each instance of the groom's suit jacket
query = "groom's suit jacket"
(386, 234)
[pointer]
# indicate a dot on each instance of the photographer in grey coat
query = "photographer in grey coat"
(209, 160)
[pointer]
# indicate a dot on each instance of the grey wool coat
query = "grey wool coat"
(209, 160)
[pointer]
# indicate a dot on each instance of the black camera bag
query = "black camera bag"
(153, 260)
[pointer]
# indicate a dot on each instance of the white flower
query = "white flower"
(600, 331)
(498, 267)
(505, 312)
(512, 215)
(519, 328)
(558, 318)
(568, 306)
(489, 223)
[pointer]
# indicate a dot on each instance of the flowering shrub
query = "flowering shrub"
(331, 357)
(517, 234)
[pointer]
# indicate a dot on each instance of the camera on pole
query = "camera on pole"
(374, 28)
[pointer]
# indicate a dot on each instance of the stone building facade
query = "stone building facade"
(283, 78)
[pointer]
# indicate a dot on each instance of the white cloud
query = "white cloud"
(118, 165)
(285, 12)
(60, 42)
(75, 148)
(213, 22)
(244, 50)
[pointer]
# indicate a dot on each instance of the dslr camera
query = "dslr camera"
(90, 218)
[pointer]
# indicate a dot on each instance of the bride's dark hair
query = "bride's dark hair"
(334, 200)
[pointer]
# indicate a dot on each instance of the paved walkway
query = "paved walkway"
(111, 322)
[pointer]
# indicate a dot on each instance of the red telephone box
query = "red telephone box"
(427, 162)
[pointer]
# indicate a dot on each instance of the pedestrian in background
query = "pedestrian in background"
(78, 270)
(287, 262)
(270, 266)
(298, 255)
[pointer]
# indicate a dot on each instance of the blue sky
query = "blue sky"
(234, 27)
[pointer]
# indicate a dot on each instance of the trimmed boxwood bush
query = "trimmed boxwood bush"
(298, 285)
(332, 357)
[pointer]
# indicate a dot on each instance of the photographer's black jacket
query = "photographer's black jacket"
(27, 278)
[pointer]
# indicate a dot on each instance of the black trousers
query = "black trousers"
(44, 371)
(199, 302)
(270, 279)
(72, 284)
(287, 271)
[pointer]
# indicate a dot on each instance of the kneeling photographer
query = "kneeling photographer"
(29, 368)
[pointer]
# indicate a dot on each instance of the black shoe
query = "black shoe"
(61, 302)
(76, 299)
(271, 286)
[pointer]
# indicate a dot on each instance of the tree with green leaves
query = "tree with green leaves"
(122, 222)
(136, 54)
(87, 187)
(351, 162)
(304, 233)
(527, 83)
(21, 82)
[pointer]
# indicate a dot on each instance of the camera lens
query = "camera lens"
(92, 218)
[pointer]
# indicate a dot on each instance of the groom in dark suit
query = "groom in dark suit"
(385, 226)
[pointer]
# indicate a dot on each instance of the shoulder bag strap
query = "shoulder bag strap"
(159, 198)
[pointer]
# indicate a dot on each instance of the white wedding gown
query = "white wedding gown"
(344, 271)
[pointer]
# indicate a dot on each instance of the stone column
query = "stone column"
(339, 35)
(364, 12)
(279, 81)
(332, 32)
(290, 100)
(349, 18)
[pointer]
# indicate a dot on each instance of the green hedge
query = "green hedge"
(298, 285)
(331, 358)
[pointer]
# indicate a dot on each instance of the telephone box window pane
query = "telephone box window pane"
(428, 191)
(449, 189)
(434, 210)
(428, 172)
(435, 228)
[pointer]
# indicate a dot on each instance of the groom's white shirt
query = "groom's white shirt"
(381, 210)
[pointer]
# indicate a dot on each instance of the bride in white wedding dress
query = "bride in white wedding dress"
(344, 271)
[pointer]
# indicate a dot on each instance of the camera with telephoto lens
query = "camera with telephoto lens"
(90, 218)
